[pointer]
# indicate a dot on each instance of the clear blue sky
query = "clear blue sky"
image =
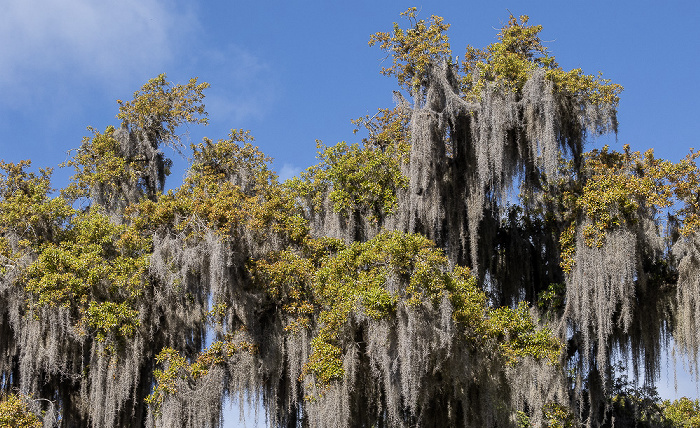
(294, 72)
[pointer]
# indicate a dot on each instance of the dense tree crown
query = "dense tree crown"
(465, 263)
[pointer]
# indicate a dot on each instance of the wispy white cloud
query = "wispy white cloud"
(58, 56)
(243, 86)
(85, 39)
(288, 171)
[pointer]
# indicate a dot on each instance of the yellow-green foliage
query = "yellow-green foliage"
(175, 370)
(15, 413)
(415, 50)
(97, 270)
(229, 189)
(286, 275)
(512, 60)
(682, 413)
(160, 107)
(364, 179)
(684, 179)
(388, 131)
(520, 336)
(509, 62)
(27, 213)
(621, 187)
(100, 164)
(555, 415)
(118, 167)
(551, 300)
(357, 282)
(221, 161)
(173, 364)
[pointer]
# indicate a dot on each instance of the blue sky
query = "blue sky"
(294, 72)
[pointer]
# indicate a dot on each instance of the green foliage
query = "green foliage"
(510, 62)
(365, 180)
(356, 283)
(28, 216)
(551, 300)
(121, 166)
(520, 336)
(517, 54)
(555, 415)
(682, 413)
(620, 184)
(229, 189)
(175, 371)
(97, 270)
(110, 318)
(388, 131)
(160, 107)
(415, 50)
(620, 189)
(15, 413)
(360, 180)
(173, 364)
(558, 416)
(683, 178)
(101, 165)
(224, 160)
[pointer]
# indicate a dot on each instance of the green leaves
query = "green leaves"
(619, 189)
(159, 107)
(518, 53)
(682, 413)
(28, 216)
(15, 412)
(364, 180)
(367, 282)
(97, 270)
(112, 319)
(520, 335)
(415, 50)
(175, 372)
(510, 62)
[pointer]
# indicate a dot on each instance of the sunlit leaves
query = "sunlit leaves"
(97, 271)
(620, 189)
(366, 281)
(364, 180)
(28, 215)
(682, 413)
(518, 52)
(159, 107)
(229, 189)
(510, 62)
(15, 412)
(175, 372)
(415, 50)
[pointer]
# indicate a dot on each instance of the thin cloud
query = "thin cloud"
(243, 86)
(288, 171)
(67, 61)
(84, 39)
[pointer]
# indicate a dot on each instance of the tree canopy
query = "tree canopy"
(465, 263)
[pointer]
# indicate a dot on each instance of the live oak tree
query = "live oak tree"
(466, 263)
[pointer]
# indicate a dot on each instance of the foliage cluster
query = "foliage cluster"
(15, 413)
(398, 282)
